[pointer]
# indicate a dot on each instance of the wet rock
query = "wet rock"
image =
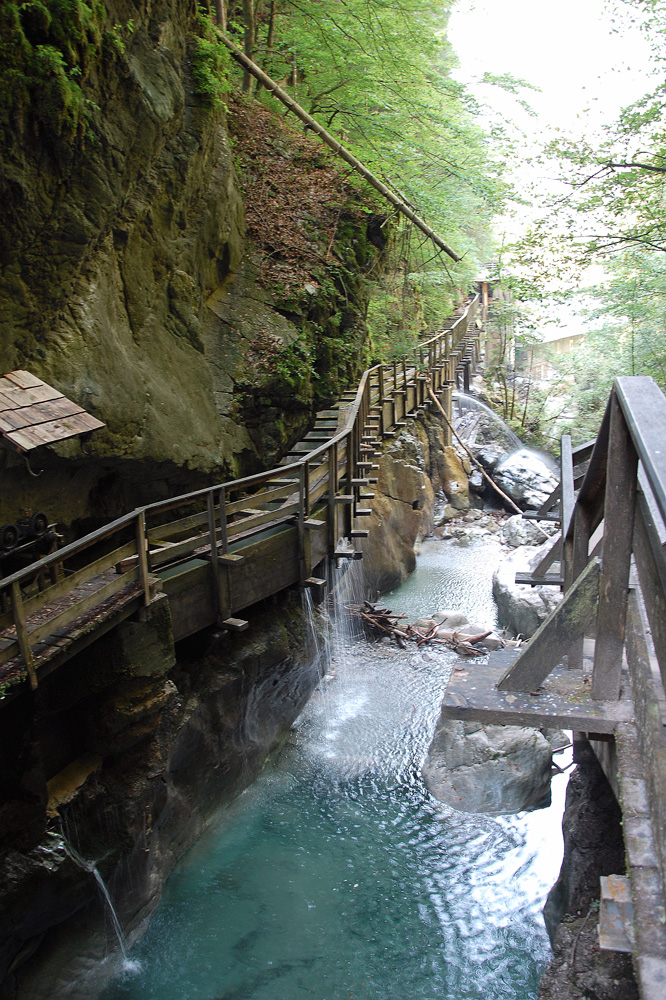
(517, 531)
(521, 608)
(488, 769)
(490, 456)
(454, 479)
(401, 511)
(525, 478)
(593, 846)
(450, 619)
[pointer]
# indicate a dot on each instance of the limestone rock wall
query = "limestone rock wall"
(413, 468)
(131, 282)
(150, 744)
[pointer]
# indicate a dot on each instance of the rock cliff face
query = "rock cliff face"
(415, 466)
(150, 745)
(134, 275)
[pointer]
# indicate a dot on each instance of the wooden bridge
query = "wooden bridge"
(217, 551)
(597, 665)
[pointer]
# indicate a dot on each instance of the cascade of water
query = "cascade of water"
(471, 412)
(91, 867)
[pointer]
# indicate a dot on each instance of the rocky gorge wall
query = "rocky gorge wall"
(140, 742)
(150, 272)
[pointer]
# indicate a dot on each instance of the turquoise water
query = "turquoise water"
(336, 875)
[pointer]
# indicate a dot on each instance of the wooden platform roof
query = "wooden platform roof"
(33, 413)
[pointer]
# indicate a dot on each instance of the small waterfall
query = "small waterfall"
(90, 866)
(476, 423)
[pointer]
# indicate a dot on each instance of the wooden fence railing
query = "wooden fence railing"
(39, 603)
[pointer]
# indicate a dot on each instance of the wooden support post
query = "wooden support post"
(303, 570)
(619, 508)
(214, 560)
(332, 491)
(142, 553)
(568, 622)
(22, 636)
(566, 483)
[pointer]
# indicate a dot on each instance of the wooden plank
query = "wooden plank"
(566, 483)
(651, 566)
(644, 407)
(649, 725)
(261, 520)
(24, 397)
(22, 635)
(473, 694)
(82, 606)
(25, 416)
(554, 637)
(536, 580)
(73, 580)
(53, 430)
(235, 624)
(23, 379)
(164, 532)
(619, 508)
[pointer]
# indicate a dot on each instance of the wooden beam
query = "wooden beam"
(619, 506)
(552, 641)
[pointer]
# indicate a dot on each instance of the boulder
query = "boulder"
(453, 476)
(450, 619)
(517, 531)
(525, 478)
(521, 608)
(490, 456)
(488, 769)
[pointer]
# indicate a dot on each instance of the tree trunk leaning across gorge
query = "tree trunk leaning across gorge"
(337, 147)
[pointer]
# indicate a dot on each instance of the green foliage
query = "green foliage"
(378, 76)
(46, 49)
(210, 67)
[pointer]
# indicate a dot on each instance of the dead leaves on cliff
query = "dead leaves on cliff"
(295, 197)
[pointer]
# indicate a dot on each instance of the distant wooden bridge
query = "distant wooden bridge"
(217, 551)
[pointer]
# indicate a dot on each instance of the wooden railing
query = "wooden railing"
(322, 489)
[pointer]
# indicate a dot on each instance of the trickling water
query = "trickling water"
(90, 866)
(337, 874)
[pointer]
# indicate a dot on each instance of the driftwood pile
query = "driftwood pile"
(380, 622)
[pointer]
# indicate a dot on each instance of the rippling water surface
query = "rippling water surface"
(336, 875)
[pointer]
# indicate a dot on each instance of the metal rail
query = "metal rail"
(119, 560)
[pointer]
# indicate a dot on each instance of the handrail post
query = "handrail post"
(619, 508)
(22, 636)
(214, 560)
(332, 492)
(301, 522)
(142, 554)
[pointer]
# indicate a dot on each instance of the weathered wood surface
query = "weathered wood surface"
(563, 699)
(567, 623)
(619, 503)
(33, 413)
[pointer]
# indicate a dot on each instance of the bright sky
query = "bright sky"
(586, 71)
(568, 48)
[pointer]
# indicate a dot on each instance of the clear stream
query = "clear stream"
(337, 875)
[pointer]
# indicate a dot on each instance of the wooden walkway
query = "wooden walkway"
(268, 531)
(598, 663)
